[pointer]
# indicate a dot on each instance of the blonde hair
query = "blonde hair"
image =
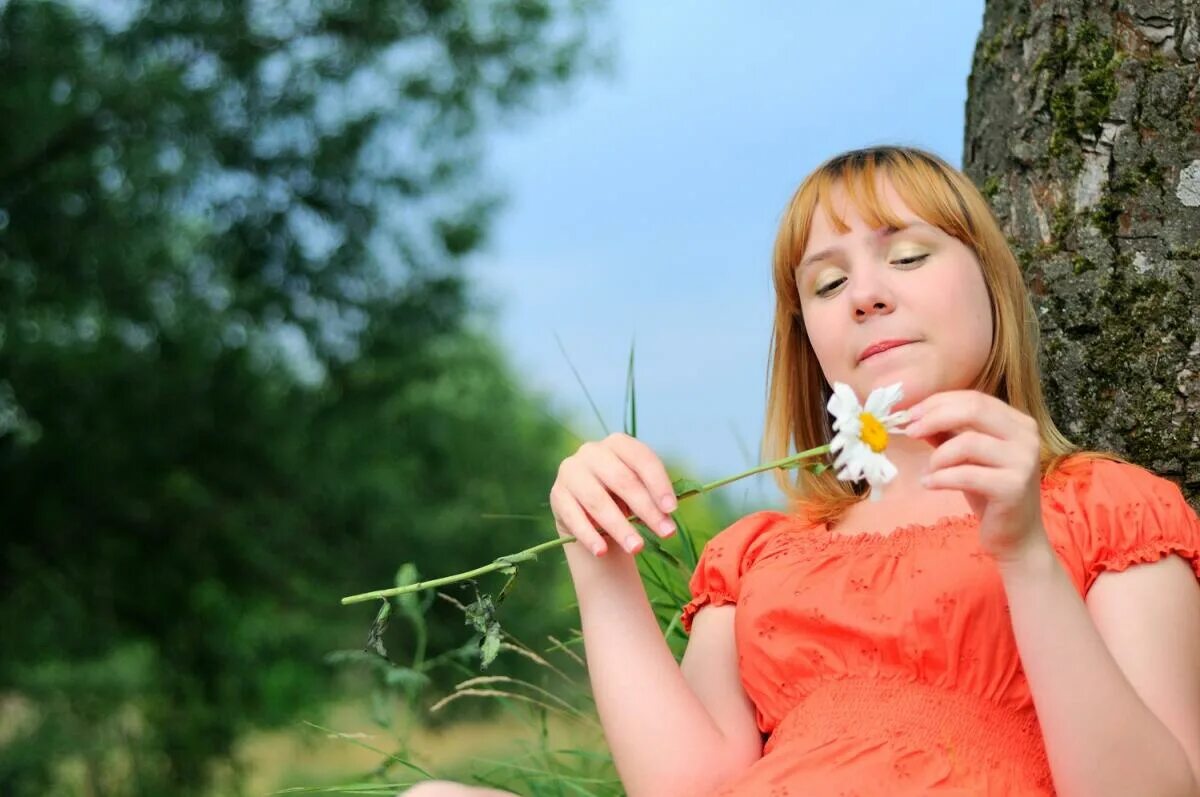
(797, 391)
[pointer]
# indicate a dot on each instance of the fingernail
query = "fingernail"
(666, 527)
(597, 548)
(668, 503)
(631, 543)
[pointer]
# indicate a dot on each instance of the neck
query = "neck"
(911, 458)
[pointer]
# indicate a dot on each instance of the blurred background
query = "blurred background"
(303, 298)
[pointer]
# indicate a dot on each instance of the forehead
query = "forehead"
(858, 207)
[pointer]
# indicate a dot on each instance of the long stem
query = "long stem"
(510, 560)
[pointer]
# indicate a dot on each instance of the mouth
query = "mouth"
(880, 347)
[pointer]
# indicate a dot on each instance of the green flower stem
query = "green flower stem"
(509, 561)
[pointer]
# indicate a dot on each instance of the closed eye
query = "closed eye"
(905, 261)
(827, 288)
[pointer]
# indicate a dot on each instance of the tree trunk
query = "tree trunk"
(1083, 130)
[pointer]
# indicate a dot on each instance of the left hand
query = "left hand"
(991, 452)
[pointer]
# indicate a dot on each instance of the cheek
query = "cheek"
(981, 311)
(973, 318)
(823, 338)
(820, 329)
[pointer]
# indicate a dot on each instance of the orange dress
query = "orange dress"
(885, 663)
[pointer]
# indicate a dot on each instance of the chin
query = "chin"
(914, 390)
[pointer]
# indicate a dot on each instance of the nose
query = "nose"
(870, 294)
(875, 308)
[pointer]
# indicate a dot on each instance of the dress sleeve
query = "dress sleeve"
(724, 560)
(1120, 515)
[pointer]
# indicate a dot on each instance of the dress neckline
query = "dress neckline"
(940, 528)
(905, 533)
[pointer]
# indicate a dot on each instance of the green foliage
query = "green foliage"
(1125, 183)
(235, 371)
(991, 187)
(1081, 66)
(558, 689)
(543, 768)
(1098, 63)
(1080, 264)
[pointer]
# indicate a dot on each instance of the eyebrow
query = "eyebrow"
(881, 234)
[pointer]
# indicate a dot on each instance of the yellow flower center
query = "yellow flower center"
(873, 433)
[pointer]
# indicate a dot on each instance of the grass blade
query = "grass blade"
(630, 397)
(389, 756)
(582, 386)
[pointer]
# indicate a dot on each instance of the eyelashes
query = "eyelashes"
(908, 261)
(827, 288)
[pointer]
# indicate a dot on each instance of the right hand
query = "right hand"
(601, 483)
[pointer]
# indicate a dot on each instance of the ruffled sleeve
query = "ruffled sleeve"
(725, 559)
(1119, 515)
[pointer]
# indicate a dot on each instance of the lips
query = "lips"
(881, 345)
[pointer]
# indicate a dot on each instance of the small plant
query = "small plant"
(545, 770)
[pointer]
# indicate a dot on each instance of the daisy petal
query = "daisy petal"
(880, 402)
(843, 401)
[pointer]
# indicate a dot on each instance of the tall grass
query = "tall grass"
(573, 759)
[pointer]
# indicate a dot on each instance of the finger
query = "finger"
(958, 411)
(571, 520)
(594, 498)
(971, 448)
(624, 482)
(649, 468)
(974, 478)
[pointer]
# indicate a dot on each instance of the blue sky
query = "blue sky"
(645, 205)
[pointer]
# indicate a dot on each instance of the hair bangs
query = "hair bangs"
(921, 184)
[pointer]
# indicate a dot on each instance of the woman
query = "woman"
(1010, 616)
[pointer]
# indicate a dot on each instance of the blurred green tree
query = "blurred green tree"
(237, 378)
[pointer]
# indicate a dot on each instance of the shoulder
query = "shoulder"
(726, 558)
(745, 536)
(1113, 514)
(1096, 483)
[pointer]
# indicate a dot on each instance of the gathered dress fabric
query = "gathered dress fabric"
(884, 663)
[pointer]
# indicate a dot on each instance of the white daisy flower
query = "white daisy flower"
(861, 434)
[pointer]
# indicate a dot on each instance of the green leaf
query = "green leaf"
(481, 613)
(489, 646)
(686, 486)
(375, 635)
(687, 542)
(405, 575)
(503, 593)
(516, 558)
(407, 678)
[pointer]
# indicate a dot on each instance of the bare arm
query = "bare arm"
(669, 734)
(663, 738)
(1113, 680)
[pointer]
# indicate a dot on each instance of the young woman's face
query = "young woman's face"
(916, 284)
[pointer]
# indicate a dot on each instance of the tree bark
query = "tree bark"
(1083, 130)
